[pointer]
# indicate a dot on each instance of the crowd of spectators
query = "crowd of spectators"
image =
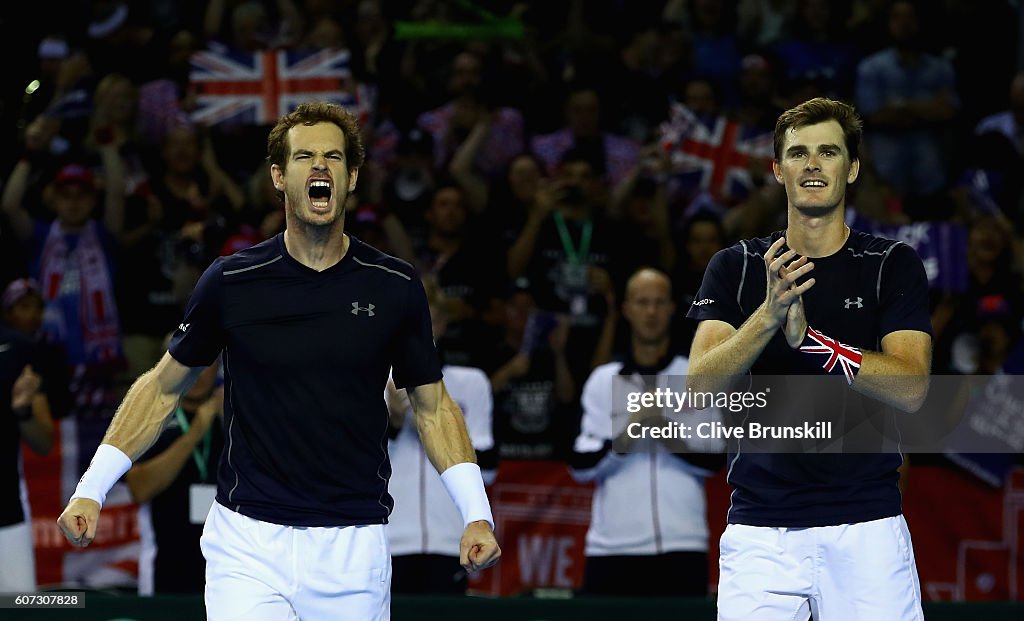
(517, 156)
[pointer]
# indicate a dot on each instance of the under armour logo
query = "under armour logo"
(368, 309)
(859, 303)
(183, 326)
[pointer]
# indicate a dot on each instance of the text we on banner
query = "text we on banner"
(541, 516)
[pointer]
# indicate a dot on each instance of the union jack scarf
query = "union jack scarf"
(97, 312)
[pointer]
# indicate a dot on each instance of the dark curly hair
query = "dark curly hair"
(311, 113)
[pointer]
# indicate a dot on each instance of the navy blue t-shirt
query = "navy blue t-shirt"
(869, 288)
(306, 360)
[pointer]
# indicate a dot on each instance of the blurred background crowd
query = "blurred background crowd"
(526, 157)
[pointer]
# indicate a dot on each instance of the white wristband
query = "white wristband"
(465, 485)
(108, 465)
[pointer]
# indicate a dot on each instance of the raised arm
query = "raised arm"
(135, 427)
(114, 189)
(720, 351)
(32, 411)
(522, 249)
(461, 167)
(221, 183)
(13, 197)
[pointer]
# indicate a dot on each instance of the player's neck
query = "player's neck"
(816, 237)
(649, 353)
(318, 248)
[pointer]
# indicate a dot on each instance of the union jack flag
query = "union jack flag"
(847, 357)
(714, 157)
(257, 88)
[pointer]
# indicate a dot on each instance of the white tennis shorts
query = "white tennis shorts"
(260, 571)
(850, 572)
(18, 567)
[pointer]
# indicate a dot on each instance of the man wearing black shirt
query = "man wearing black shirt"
(24, 415)
(309, 323)
(819, 534)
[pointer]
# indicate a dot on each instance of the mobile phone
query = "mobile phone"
(539, 326)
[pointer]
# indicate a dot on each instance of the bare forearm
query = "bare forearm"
(38, 430)
(213, 18)
(113, 170)
(606, 341)
(441, 426)
(500, 378)
(13, 195)
(445, 439)
(153, 476)
(565, 387)
(140, 417)
(465, 154)
(473, 186)
(892, 380)
(398, 238)
(521, 251)
(227, 187)
(620, 193)
(711, 370)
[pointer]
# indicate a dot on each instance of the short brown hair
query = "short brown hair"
(819, 110)
(311, 113)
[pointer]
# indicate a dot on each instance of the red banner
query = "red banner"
(541, 516)
(968, 536)
(112, 559)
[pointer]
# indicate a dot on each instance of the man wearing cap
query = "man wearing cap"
(22, 311)
(72, 257)
(24, 415)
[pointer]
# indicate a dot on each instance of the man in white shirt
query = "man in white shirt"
(425, 526)
(648, 533)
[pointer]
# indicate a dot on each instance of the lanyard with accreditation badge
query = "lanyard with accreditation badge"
(574, 270)
(200, 495)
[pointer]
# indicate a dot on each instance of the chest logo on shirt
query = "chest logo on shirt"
(368, 309)
(858, 303)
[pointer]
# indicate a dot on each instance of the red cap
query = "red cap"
(75, 173)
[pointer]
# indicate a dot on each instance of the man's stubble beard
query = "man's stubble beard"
(297, 212)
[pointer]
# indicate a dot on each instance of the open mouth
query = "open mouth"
(320, 193)
(813, 183)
